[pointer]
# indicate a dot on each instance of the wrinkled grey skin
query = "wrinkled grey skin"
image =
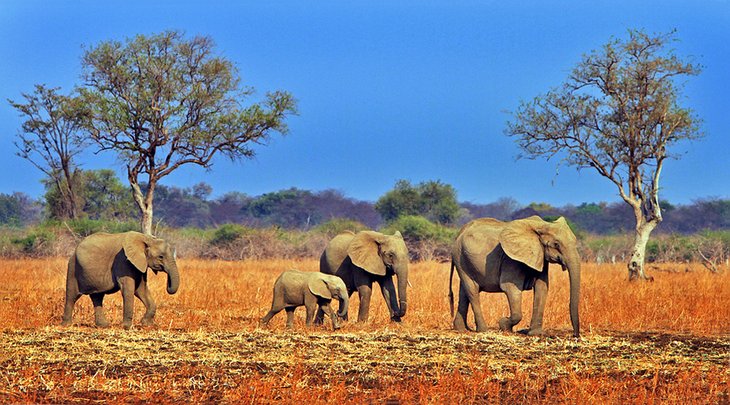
(509, 257)
(105, 263)
(362, 258)
(295, 288)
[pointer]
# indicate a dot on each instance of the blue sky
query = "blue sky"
(387, 90)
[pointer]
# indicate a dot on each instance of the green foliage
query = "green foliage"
(181, 87)
(85, 227)
(99, 194)
(433, 200)
(10, 210)
(105, 197)
(417, 228)
(338, 225)
(32, 241)
(227, 234)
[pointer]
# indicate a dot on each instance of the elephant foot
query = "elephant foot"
(66, 322)
(459, 325)
(147, 322)
(505, 325)
(535, 332)
(127, 325)
(102, 324)
(395, 318)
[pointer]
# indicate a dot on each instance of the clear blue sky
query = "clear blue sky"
(387, 90)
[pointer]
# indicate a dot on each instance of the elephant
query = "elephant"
(294, 288)
(361, 258)
(494, 256)
(104, 263)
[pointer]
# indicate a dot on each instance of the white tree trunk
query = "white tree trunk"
(638, 254)
(146, 221)
(144, 203)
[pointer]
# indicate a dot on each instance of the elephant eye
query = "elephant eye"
(160, 257)
(556, 245)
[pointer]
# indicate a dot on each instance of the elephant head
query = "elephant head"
(383, 255)
(145, 251)
(329, 287)
(536, 242)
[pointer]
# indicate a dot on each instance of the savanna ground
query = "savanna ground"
(661, 342)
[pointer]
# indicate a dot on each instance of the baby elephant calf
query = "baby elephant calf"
(295, 288)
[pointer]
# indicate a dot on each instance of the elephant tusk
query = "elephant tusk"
(409, 284)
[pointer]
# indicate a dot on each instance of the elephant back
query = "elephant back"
(335, 254)
(98, 249)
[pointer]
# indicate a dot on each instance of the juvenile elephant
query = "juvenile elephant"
(510, 257)
(105, 263)
(361, 258)
(295, 288)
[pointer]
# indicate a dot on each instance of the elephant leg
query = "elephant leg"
(514, 297)
(328, 310)
(72, 295)
(311, 311)
(274, 310)
(364, 291)
(72, 292)
(277, 304)
(144, 295)
(319, 317)
(470, 289)
(290, 317)
(391, 300)
(126, 285)
(99, 316)
(538, 304)
(461, 311)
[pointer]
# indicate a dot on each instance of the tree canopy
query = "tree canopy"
(50, 138)
(163, 101)
(618, 113)
(433, 200)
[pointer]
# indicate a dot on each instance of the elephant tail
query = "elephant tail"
(451, 289)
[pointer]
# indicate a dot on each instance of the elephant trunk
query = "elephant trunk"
(402, 289)
(344, 305)
(573, 267)
(173, 278)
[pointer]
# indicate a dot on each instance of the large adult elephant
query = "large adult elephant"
(510, 257)
(362, 258)
(105, 263)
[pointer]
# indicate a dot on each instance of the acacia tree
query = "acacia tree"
(50, 138)
(163, 101)
(619, 114)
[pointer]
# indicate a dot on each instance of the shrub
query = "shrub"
(338, 225)
(425, 239)
(35, 243)
(228, 234)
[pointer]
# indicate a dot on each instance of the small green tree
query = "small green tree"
(50, 138)
(433, 200)
(163, 101)
(619, 114)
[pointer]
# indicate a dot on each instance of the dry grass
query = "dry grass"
(661, 342)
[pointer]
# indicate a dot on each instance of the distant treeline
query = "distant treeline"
(303, 210)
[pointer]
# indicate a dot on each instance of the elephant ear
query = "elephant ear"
(135, 247)
(521, 242)
(319, 288)
(364, 252)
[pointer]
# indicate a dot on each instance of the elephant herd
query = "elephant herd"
(489, 256)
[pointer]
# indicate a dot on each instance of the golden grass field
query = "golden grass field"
(661, 342)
